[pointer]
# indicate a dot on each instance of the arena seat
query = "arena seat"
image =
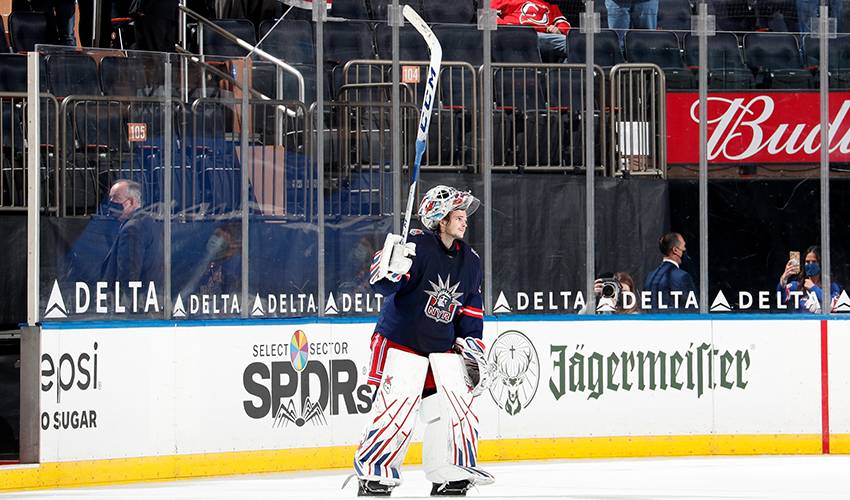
(26, 30)
(460, 43)
(606, 48)
(72, 73)
(448, 11)
(349, 9)
(346, 41)
(291, 41)
(411, 45)
(733, 15)
(674, 15)
(775, 59)
(379, 8)
(215, 44)
(13, 73)
(123, 76)
(515, 44)
(726, 68)
(662, 49)
(839, 59)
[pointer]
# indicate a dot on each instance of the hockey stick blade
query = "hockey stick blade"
(428, 101)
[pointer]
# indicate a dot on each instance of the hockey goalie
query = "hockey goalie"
(427, 359)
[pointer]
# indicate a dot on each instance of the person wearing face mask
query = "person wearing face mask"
(671, 288)
(801, 286)
(136, 252)
(222, 273)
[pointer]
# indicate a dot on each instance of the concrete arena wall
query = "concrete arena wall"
(172, 401)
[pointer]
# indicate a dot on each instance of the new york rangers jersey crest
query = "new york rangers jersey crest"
(437, 301)
(443, 304)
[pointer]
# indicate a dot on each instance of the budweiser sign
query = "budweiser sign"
(756, 127)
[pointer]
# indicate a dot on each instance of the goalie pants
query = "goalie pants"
(380, 346)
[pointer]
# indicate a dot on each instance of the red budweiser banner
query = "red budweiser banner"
(757, 127)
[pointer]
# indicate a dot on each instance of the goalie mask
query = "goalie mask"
(439, 201)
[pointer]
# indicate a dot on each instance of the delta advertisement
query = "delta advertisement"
(134, 392)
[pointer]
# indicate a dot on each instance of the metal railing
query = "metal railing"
(538, 126)
(13, 158)
(453, 135)
(204, 23)
(638, 143)
(538, 118)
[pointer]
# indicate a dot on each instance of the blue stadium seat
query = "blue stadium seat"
(515, 44)
(123, 76)
(346, 41)
(606, 48)
(674, 15)
(215, 44)
(411, 45)
(378, 8)
(775, 60)
(660, 48)
(292, 41)
(839, 59)
(13, 73)
(349, 9)
(726, 68)
(26, 30)
(448, 11)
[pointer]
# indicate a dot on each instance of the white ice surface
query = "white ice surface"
(797, 477)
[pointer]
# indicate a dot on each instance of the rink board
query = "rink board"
(155, 402)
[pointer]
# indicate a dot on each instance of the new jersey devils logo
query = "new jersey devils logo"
(532, 13)
(442, 301)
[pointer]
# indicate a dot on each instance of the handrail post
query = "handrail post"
(204, 22)
(33, 188)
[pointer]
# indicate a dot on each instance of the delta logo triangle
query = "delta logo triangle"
(502, 305)
(257, 310)
(605, 305)
(720, 303)
(842, 303)
(55, 304)
(330, 307)
(179, 310)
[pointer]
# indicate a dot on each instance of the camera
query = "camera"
(611, 287)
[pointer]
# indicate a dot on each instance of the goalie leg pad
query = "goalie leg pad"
(394, 412)
(450, 447)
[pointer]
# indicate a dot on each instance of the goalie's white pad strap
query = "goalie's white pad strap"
(452, 451)
(394, 413)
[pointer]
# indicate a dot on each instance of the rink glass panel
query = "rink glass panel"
(764, 196)
(102, 118)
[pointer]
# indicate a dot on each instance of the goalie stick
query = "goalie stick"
(427, 104)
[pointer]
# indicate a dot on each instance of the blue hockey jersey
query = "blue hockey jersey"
(437, 301)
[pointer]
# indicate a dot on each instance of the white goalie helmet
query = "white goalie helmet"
(439, 201)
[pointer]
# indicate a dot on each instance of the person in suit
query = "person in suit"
(672, 289)
(136, 253)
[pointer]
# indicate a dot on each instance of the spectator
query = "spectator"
(86, 23)
(156, 24)
(801, 287)
(616, 291)
(631, 14)
(223, 272)
(136, 253)
(670, 287)
(59, 15)
(808, 12)
(552, 27)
